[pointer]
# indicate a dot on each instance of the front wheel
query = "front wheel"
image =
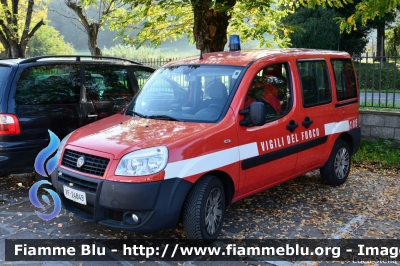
(337, 168)
(204, 210)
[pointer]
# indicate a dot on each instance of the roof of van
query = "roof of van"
(245, 57)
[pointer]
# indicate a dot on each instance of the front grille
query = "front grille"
(93, 165)
(88, 209)
(115, 215)
(79, 184)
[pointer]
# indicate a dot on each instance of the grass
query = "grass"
(383, 90)
(385, 153)
(376, 106)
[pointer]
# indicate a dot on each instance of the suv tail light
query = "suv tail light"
(9, 125)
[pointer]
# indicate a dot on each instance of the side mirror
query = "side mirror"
(256, 114)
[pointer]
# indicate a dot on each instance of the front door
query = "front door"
(268, 152)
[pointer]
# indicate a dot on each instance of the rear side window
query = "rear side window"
(52, 84)
(345, 79)
(314, 82)
(4, 74)
(107, 83)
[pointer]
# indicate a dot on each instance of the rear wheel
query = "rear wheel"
(204, 210)
(337, 168)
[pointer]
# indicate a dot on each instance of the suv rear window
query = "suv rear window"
(4, 73)
(106, 83)
(48, 84)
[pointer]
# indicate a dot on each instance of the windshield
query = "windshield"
(186, 93)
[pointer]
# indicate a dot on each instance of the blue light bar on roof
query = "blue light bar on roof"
(234, 43)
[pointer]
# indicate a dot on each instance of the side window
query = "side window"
(54, 84)
(314, 82)
(272, 87)
(107, 83)
(345, 79)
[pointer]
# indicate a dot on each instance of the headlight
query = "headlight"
(143, 162)
(62, 144)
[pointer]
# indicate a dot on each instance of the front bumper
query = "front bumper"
(157, 204)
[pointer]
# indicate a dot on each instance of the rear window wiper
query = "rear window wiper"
(163, 117)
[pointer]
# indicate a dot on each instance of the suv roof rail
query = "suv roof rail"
(77, 58)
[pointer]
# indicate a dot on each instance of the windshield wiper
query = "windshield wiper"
(163, 117)
(136, 114)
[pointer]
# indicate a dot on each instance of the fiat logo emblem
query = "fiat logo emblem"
(80, 161)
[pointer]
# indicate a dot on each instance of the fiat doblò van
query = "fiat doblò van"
(207, 131)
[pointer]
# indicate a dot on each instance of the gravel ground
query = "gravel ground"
(367, 206)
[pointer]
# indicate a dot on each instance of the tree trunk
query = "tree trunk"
(92, 29)
(210, 25)
(92, 39)
(14, 44)
(380, 42)
(16, 51)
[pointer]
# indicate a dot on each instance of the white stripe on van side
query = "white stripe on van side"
(337, 127)
(248, 150)
(222, 158)
(210, 161)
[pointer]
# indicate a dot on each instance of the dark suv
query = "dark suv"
(58, 93)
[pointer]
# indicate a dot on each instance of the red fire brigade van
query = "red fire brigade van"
(210, 130)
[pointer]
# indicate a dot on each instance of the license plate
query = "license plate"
(75, 195)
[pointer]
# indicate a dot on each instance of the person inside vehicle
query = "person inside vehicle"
(264, 91)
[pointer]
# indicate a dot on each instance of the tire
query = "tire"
(204, 210)
(337, 168)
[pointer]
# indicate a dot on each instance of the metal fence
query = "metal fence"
(378, 79)
(156, 63)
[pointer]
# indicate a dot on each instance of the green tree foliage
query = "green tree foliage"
(354, 42)
(314, 28)
(317, 28)
(19, 21)
(359, 16)
(48, 41)
(206, 22)
(364, 10)
(393, 40)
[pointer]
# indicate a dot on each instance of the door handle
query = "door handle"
(92, 115)
(292, 126)
(307, 122)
